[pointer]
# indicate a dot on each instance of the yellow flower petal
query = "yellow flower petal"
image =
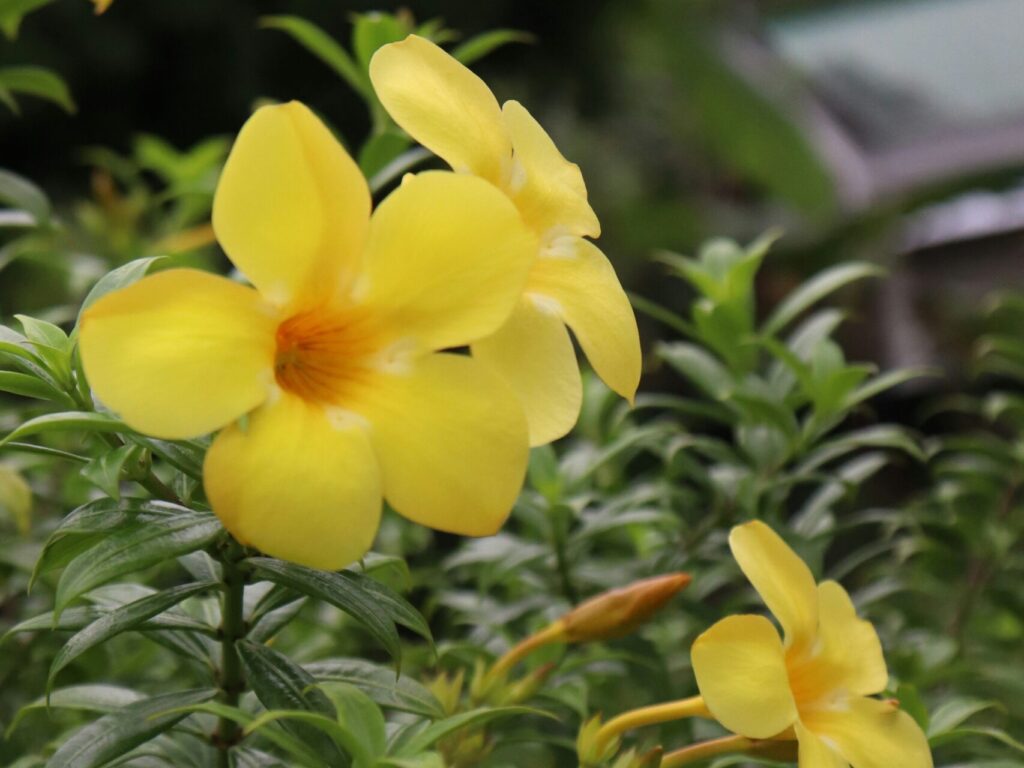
(292, 208)
(582, 283)
(849, 644)
(872, 734)
(179, 353)
(548, 189)
(533, 353)
(452, 443)
(447, 259)
(741, 671)
(783, 580)
(443, 106)
(297, 484)
(814, 753)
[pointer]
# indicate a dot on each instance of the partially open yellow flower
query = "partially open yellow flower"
(333, 354)
(453, 113)
(815, 684)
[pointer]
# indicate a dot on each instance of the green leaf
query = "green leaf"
(116, 279)
(361, 716)
(323, 46)
(294, 747)
(86, 421)
(885, 381)
(380, 684)
(372, 30)
(37, 81)
(105, 470)
(700, 367)
(429, 736)
(346, 591)
(123, 619)
(951, 714)
(380, 150)
(113, 735)
(880, 436)
(86, 698)
(815, 289)
(13, 11)
(26, 385)
(279, 683)
(479, 46)
(21, 193)
(133, 549)
(336, 731)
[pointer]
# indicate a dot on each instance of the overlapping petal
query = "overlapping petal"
(849, 645)
(447, 259)
(872, 734)
(292, 208)
(783, 580)
(443, 105)
(179, 353)
(583, 285)
(452, 443)
(533, 353)
(547, 188)
(740, 668)
(297, 484)
(814, 753)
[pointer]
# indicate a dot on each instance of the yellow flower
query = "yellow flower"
(449, 110)
(333, 355)
(815, 684)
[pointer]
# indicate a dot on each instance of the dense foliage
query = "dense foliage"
(137, 632)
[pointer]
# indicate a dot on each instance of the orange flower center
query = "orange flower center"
(323, 354)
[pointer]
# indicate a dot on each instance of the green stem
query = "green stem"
(232, 629)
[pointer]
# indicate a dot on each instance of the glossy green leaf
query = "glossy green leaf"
(133, 549)
(346, 591)
(113, 735)
(86, 698)
(123, 619)
(18, 192)
(323, 46)
(380, 684)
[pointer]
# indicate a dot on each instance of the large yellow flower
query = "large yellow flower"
(333, 354)
(814, 685)
(449, 110)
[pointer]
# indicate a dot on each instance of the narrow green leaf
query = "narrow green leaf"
(345, 591)
(380, 684)
(815, 289)
(323, 46)
(361, 717)
(19, 192)
(133, 549)
(86, 698)
(26, 385)
(37, 81)
(429, 736)
(105, 470)
(885, 381)
(86, 421)
(479, 46)
(116, 279)
(280, 683)
(124, 619)
(951, 714)
(113, 735)
(700, 367)
(295, 748)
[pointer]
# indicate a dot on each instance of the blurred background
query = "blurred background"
(889, 131)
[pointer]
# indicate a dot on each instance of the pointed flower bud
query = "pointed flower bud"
(620, 611)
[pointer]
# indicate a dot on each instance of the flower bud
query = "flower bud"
(591, 750)
(620, 611)
(447, 689)
(649, 759)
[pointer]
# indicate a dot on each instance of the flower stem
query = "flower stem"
(232, 629)
(552, 633)
(658, 713)
(706, 749)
